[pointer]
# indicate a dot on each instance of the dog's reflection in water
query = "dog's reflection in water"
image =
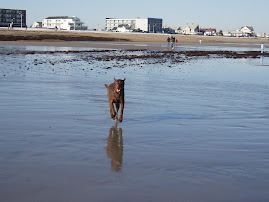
(114, 148)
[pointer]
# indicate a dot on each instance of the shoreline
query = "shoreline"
(123, 45)
(156, 56)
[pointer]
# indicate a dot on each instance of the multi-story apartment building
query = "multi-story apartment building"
(12, 17)
(145, 25)
(112, 23)
(63, 22)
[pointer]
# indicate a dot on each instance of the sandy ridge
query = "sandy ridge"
(113, 40)
(14, 35)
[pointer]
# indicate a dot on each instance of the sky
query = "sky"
(224, 15)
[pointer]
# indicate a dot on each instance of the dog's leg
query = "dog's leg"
(112, 110)
(117, 109)
(121, 111)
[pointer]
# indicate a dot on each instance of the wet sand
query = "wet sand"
(195, 125)
(122, 45)
(150, 57)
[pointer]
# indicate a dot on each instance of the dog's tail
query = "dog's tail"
(106, 85)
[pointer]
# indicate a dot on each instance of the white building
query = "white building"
(123, 28)
(145, 25)
(142, 24)
(263, 35)
(190, 29)
(63, 22)
(208, 31)
(233, 33)
(113, 23)
(37, 24)
(245, 31)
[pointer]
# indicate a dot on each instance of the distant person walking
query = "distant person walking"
(262, 48)
(168, 42)
(173, 42)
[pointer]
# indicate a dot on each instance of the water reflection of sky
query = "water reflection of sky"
(178, 47)
(189, 125)
(214, 48)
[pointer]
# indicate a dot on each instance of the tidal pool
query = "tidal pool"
(191, 131)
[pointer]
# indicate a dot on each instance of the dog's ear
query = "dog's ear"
(124, 79)
(115, 79)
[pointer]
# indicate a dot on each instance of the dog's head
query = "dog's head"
(119, 85)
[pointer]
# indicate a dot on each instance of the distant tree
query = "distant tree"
(220, 33)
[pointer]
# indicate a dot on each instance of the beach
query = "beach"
(116, 40)
(195, 123)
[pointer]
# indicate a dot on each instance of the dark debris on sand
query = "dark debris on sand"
(155, 54)
(106, 60)
(151, 57)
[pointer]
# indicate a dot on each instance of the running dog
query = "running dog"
(115, 94)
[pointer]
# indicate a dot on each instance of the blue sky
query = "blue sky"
(225, 15)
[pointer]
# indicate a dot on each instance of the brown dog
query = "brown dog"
(115, 93)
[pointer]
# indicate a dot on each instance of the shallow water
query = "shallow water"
(194, 131)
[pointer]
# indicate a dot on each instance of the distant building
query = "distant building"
(113, 23)
(169, 30)
(63, 22)
(263, 35)
(190, 29)
(12, 17)
(208, 31)
(178, 30)
(37, 25)
(145, 25)
(233, 33)
(245, 31)
(123, 28)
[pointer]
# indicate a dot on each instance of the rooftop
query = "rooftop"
(60, 17)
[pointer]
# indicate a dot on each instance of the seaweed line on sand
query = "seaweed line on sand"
(147, 54)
